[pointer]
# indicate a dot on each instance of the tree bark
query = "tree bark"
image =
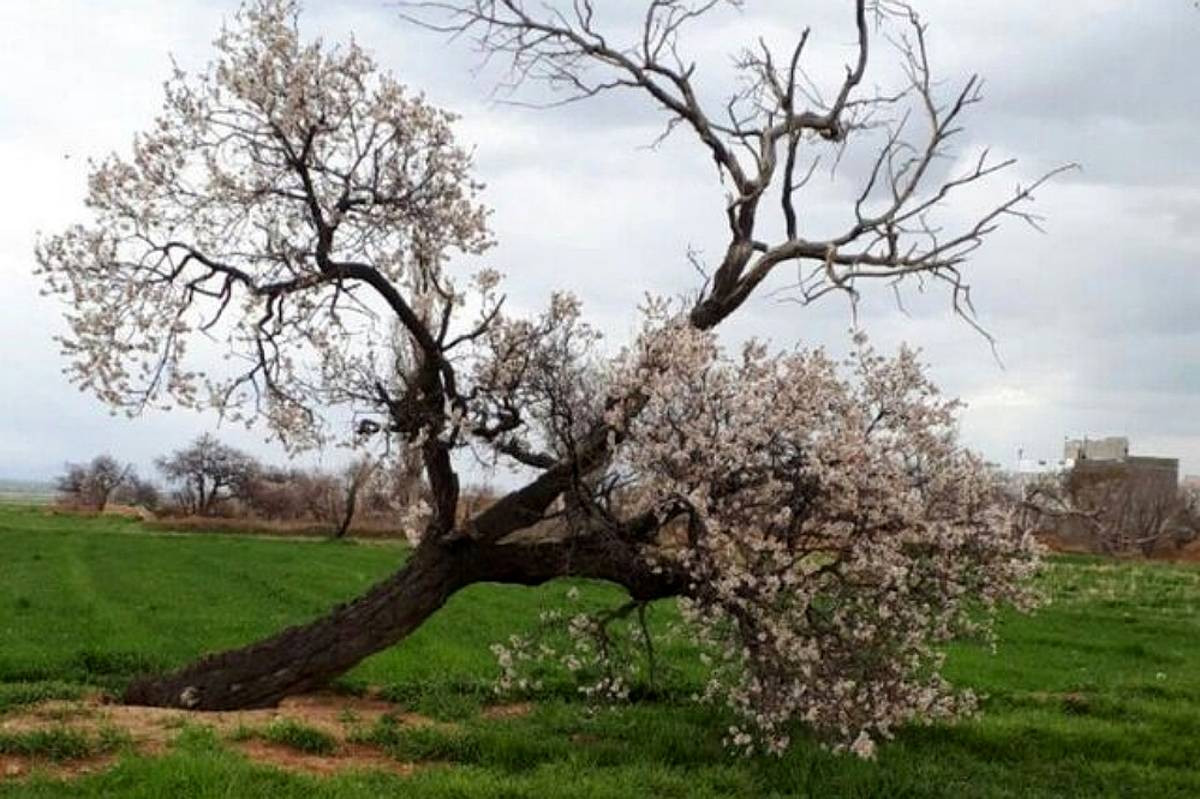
(306, 657)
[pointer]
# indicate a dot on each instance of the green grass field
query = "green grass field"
(1098, 694)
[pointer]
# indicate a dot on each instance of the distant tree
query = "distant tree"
(1189, 514)
(1114, 512)
(322, 496)
(93, 484)
(277, 494)
(139, 492)
(208, 473)
(331, 499)
(355, 478)
(71, 484)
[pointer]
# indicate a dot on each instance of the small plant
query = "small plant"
(59, 743)
(66, 712)
(111, 739)
(300, 737)
(242, 733)
(452, 701)
(18, 694)
(421, 743)
(63, 743)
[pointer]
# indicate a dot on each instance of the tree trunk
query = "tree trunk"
(348, 512)
(358, 476)
(305, 657)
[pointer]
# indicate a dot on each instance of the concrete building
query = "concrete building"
(1157, 477)
(1108, 459)
(1131, 500)
(1104, 459)
(1113, 448)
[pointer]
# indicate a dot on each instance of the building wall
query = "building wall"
(1158, 476)
(1132, 499)
(1097, 449)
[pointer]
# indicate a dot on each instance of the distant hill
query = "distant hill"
(26, 490)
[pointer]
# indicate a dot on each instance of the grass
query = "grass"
(300, 737)
(61, 743)
(17, 694)
(1096, 695)
(55, 744)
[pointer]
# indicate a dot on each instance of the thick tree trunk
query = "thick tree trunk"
(305, 657)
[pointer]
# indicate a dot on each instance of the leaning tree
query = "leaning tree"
(823, 531)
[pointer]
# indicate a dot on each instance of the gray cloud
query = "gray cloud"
(1098, 322)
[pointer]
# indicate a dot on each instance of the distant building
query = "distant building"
(1113, 448)
(1105, 459)
(1157, 477)
(1108, 459)
(1130, 501)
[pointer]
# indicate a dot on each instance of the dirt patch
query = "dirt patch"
(15, 767)
(349, 757)
(1189, 553)
(585, 738)
(151, 731)
(330, 713)
(1057, 696)
(511, 711)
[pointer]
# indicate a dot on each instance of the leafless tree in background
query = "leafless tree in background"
(93, 484)
(355, 478)
(1117, 512)
(208, 474)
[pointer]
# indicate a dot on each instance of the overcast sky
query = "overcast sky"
(1097, 321)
